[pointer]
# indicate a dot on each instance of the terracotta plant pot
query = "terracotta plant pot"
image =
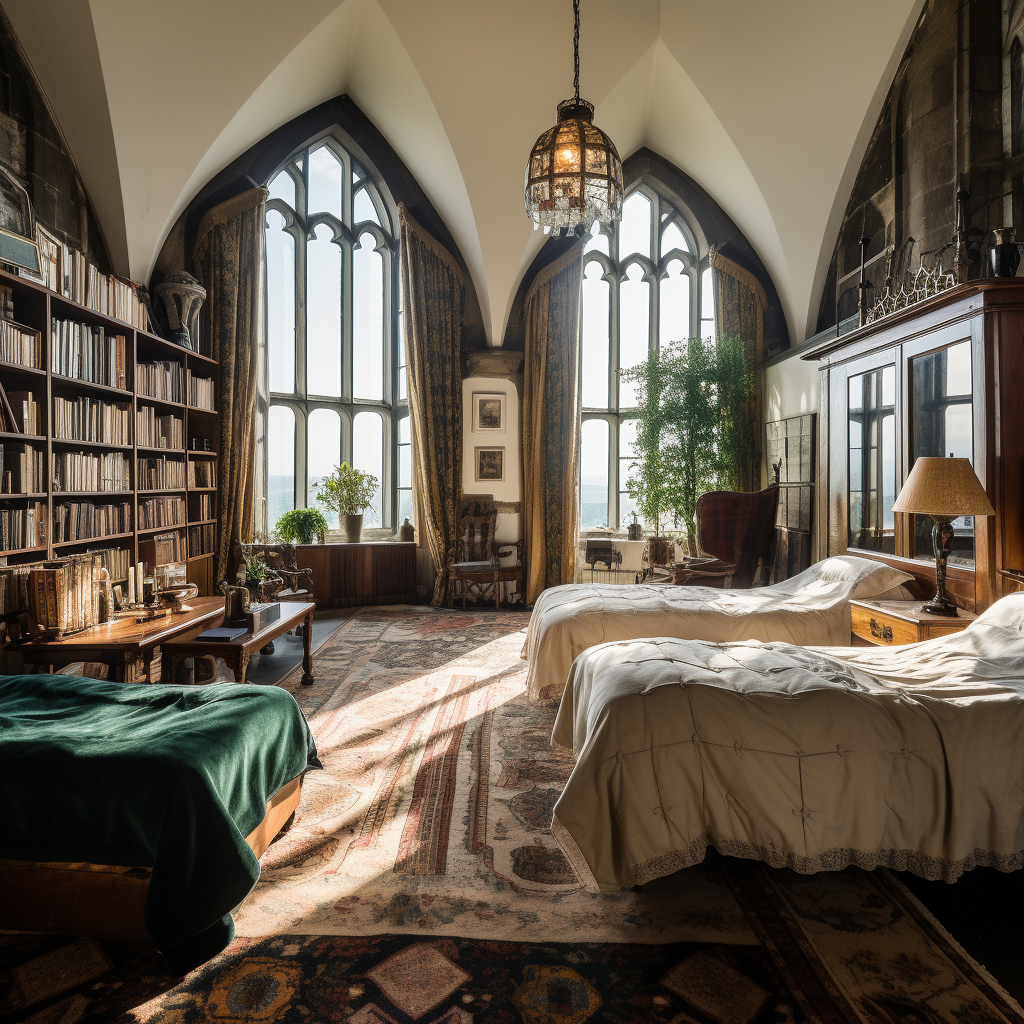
(353, 528)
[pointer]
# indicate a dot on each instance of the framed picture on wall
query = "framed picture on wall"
(488, 413)
(490, 464)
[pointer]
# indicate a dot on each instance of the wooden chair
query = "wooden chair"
(476, 567)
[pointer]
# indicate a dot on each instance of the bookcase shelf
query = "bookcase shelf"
(35, 307)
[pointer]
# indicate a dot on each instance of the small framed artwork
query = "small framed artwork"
(490, 464)
(488, 413)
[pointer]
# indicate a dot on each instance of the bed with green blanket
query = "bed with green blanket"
(171, 778)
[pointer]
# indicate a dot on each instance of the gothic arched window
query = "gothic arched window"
(646, 282)
(334, 363)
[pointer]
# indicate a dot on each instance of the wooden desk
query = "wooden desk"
(889, 623)
(125, 646)
(236, 653)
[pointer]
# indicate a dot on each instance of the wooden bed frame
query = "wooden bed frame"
(101, 900)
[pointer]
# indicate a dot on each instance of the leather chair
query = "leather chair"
(476, 566)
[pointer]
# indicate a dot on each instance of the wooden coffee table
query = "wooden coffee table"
(236, 653)
(125, 646)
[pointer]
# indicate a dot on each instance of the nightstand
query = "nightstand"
(889, 623)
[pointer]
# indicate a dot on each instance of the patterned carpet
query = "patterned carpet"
(419, 882)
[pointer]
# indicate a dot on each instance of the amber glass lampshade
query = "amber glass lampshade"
(944, 490)
(574, 175)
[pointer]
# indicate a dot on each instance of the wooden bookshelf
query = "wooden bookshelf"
(35, 307)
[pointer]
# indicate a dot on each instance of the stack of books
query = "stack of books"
(153, 431)
(63, 596)
(20, 345)
(159, 474)
(82, 520)
(201, 473)
(200, 392)
(23, 527)
(163, 379)
(91, 419)
(22, 469)
(156, 512)
(66, 270)
(14, 587)
(77, 471)
(87, 353)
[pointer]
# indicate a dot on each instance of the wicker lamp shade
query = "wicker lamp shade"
(574, 175)
(943, 489)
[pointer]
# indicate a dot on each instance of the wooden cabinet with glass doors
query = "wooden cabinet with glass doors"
(945, 377)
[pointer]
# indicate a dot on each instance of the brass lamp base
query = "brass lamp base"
(942, 538)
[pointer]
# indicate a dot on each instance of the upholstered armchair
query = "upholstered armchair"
(476, 567)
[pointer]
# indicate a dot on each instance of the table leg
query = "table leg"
(307, 651)
(241, 667)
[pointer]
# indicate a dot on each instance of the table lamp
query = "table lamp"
(944, 490)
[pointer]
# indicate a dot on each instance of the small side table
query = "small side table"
(889, 623)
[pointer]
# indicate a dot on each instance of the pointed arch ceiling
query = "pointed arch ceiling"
(767, 106)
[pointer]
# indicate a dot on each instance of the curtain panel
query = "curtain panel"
(740, 305)
(434, 296)
(551, 423)
(230, 260)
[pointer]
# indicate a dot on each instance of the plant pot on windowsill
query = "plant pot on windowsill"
(353, 527)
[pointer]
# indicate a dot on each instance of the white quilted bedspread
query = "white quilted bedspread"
(812, 608)
(911, 757)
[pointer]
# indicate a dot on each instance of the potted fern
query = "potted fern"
(301, 526)
(348, 492)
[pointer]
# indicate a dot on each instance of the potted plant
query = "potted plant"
(301, 526)
(348, 492)
(696, 431)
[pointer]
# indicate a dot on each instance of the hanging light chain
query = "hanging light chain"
(576, 49)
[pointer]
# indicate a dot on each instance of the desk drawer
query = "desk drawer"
(883, 630)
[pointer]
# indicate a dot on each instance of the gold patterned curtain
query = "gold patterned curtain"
(740, 305)
(434, 292)
(551, 423)
(229, 259)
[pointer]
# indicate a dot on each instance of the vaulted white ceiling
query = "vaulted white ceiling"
(767, 106)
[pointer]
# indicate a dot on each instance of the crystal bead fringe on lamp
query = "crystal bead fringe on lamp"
(944, 490)
(574, 175)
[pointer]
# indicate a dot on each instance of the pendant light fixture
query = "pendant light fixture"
(574, 175)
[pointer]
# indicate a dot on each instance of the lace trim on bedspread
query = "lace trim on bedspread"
(921, 864)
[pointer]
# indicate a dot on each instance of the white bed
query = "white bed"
(812, 759)
(811, 608)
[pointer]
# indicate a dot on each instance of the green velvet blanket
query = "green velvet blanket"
(168, 777)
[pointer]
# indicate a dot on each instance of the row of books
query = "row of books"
(88, 353)
(14, 587)
(83, 520)
(22, 469)
(115, 561)
(66, 270)
(23, 527)
(155, 512)
(6, 302)
(91, 419)
(202, 473)
(200, 392)
(63, 595)
(163, 379)
(202, 540)
(203, 506)
(20, 345)
(79, 471)
(155, 431)
(19, 412)
(160, 474)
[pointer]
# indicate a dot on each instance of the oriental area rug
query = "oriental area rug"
(419, 882)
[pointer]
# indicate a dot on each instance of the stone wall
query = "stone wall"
(941, 126)
(33, 149)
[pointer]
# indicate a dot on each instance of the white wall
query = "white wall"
(507, 525)
(791, 389)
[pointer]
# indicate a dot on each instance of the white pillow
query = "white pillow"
(871, 577)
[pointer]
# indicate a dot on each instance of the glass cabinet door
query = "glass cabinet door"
(872, 460)
(942, 424)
